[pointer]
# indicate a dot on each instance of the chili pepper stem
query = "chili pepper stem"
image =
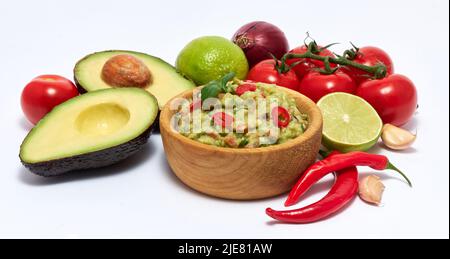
(389, 166)
(393, 167)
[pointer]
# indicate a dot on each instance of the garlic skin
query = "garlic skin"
(371, 189)
(397, 138)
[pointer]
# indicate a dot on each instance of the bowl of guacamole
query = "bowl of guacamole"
(244, 115)
(248, 141)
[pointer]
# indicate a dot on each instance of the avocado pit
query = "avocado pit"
(126, 71)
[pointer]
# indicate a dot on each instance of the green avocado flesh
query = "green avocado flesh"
(166, 81)
(90, 131)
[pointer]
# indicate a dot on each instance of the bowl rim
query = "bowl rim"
(314, 127)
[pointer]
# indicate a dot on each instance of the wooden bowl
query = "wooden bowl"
(242, 174)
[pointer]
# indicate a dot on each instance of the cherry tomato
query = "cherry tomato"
(281, 117)
(369, 56)
(307, 64)
(240, 90)
(394, 98)
(266, 72)
(223, 119)
(316, 85)
(43, 93)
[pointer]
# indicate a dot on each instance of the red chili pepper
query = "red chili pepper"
(336, 162)
(223, 119)
(240, 90)
(281, 117)
(343, 191)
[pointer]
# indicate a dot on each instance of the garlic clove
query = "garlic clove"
(397, 138)
(371, 189)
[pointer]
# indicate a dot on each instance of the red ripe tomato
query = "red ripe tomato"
(266, 72)
(43, 93)
(316, 85)
(240, 90)
(394, 98)
(307, 64)
(369, 56)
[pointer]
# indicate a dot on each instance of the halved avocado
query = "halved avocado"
(90, 131)
(165, 83)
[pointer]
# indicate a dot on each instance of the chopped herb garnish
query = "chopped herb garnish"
(243, 143)
(214, 88)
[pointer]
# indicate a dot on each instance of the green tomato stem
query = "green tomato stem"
(377, 71)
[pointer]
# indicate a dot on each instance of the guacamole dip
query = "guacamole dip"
(244, 115)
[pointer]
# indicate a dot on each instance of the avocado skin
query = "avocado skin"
(80, 88)
(91, 160)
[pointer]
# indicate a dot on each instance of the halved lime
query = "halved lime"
(349, 123)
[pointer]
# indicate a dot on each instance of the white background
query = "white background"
(141, 197)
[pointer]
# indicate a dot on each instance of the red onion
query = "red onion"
(260, 39)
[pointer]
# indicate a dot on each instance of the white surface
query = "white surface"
(141, 197)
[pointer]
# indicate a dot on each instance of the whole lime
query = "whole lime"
(209, 58)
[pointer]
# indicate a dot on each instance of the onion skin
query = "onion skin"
(260, 39)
